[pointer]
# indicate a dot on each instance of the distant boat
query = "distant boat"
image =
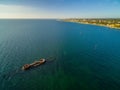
(34, 64)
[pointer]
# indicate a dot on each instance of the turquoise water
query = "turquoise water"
(86, 57)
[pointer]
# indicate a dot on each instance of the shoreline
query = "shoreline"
(91, 24)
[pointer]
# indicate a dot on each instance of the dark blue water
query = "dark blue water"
(86, 57)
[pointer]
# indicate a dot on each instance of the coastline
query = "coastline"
(92, 24)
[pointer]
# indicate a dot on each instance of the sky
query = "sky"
(59, 8)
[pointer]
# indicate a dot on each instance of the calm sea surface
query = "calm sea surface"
(84, 57)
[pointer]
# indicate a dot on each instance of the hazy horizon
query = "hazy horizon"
(56, 9)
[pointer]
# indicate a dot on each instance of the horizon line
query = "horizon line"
(69, 18)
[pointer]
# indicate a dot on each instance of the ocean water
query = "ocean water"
(83, 57)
